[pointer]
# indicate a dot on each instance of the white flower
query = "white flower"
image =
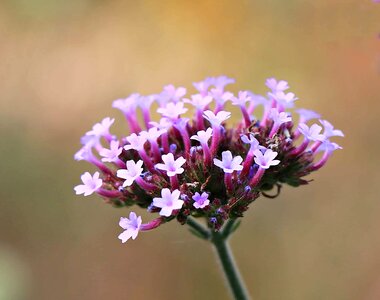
(171, 166)
(132, 172)
(228, 163)
(267, 159)
(218, 119)
(203, 136)
(90, 184)
(312, 133)
(199, 101)
(136, 142)
(168, 202)
(172, 110)
(112, 154)
(132, 227)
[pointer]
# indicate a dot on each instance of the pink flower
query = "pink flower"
(200, 201)
(171, 166)
(136, 142)
(276, 86)
(286, 100)
(252, 141)
(203, 136)
(172, 110)
(199, 101)
(132, 227)
(102, 128)
(146, 101)
(132, 172)
(329, 130)
(128, 104)
(242, 99)
(266, 160)
(306, 115)
(164, 124)
(203, 86)
(90, 184)
(152, 134)
(112, 154)
(329, 146)
(228, 163)
(220, 96)
(279, 118)
(312, 133)
(218, 119)
(171, 93)
(221, 81)
(168, 202)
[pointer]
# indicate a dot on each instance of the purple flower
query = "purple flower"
(168, 202)
(218, 119)
(251, 140)
(203, 136)
(306, 115)
(83, 153)
(146, 101)
(267, 159)
(112, 154)
(128, 104)
(171, 93)
(279, 118)
(199, 101)
(286, 100)
(312, 133)
(329, 130)
(102, 128)
(201, 201)
(220, 95)
(132, 172)
(228, 163)
(329, 146)
(172, 110)
(132, 227)
(164, 124)
(221, 81)
(136, 142)
(171, 166)
(203, 86)
(90, 184)
(202, 155)
(276, 86)
(152, 134)
(242, 99)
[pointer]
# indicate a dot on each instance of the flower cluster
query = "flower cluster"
(198, 166)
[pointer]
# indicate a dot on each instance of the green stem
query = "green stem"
(198, 228)
(229, 266)
(219, 240)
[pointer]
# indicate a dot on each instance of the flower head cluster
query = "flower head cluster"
(198, 165)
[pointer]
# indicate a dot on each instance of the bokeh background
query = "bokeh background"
(61, 65)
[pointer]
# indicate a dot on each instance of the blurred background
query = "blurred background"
(61, 65)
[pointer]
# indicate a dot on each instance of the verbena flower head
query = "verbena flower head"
(202, 165)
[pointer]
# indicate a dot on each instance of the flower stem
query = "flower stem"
(226, 259)
(229, 266)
